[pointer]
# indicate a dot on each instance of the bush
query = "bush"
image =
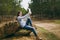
(12, 28)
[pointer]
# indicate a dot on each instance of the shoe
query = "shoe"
(38, 38)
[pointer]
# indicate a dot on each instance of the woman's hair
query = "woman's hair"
(18, 13)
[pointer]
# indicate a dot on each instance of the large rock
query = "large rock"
(12, 28)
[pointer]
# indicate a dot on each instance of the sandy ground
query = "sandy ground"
(51, 27)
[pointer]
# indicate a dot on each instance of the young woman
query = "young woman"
(26, 24)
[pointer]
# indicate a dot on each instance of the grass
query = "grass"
(57, 21)
(48, 35)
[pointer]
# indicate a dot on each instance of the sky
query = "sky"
(24, 3)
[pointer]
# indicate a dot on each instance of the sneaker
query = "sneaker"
(38, 38)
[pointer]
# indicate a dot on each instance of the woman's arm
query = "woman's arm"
(27, 15)
(29, 11)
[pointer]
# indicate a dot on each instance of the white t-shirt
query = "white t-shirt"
(22, 19)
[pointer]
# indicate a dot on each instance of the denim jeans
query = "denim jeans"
(28, 26)
(29, 22)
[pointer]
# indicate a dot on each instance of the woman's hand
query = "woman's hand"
(29, 11)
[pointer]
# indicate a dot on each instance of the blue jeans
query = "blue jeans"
(29, 22)
(28, 26)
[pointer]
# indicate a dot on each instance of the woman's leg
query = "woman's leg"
(31, 29)
(29, 22)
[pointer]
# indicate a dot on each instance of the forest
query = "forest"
(41, 9)
(46, 9)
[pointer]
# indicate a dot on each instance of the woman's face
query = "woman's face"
(20, 13)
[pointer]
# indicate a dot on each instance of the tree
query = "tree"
(10, 7)
(45, 8)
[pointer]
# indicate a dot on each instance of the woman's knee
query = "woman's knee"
(33, 28)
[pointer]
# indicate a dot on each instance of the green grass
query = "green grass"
(49, 35)
(57, 21)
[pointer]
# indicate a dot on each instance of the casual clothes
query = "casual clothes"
(26, 23)
(28, 26)
(22, 20)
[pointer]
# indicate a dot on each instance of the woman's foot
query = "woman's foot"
(37, 38)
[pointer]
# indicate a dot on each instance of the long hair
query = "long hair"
(18, 14)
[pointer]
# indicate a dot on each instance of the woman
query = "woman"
(26, 24)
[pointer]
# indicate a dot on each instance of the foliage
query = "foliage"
(10, 7)
(47, 9)
(12, 28)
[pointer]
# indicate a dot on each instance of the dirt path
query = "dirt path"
(51, 27)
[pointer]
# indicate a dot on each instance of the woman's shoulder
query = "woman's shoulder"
(18, 16)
